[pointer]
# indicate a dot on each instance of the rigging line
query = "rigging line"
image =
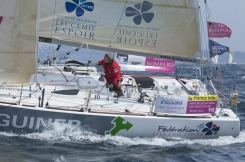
(23, 98)
(61, 72)
(202, 34)
(137, 108)
(69, 81)
(116, 26)
(218, 92)
(33, 92)
(181, 69)
(207, 11)
(208, 16)
(221, 85)
(51, 33)
(47, 104)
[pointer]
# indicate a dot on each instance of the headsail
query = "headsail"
(17, 40)
(147, 28)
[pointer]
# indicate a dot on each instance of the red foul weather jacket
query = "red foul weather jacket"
(112, 71)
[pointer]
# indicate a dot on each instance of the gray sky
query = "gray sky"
(232, 14)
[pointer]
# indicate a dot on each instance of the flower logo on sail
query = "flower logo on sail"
(140, 12)
(211, 129)
(79, 6)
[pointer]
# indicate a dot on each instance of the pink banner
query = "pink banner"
(159, 65)
(218, 30)
(199, 107)
(1, 18)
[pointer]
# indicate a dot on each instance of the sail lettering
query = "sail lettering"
(74, 28)
(136, 42)
(160, 64)
(134, 33)
(137, 38)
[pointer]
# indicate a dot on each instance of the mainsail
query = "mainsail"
(155, 28)
(17, 40)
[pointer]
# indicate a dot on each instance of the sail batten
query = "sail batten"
(157, 27)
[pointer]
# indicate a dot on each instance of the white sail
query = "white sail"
(230, 58)
(18, 40)
(215, 59)
(156, 27)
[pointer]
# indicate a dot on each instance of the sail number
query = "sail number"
(97, 96)
(211, 110)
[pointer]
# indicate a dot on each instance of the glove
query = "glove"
(108, 85)
(98, 63)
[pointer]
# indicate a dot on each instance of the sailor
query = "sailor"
(112, 72)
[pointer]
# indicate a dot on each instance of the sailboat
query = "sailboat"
(215, 59)
(34, 98)
(230, 60)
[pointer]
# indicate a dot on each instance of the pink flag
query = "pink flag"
(1, 18)
(218, 30)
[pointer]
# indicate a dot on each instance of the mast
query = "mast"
(214, 59)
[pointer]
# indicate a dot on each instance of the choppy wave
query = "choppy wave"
(65, 133)
(241, 107)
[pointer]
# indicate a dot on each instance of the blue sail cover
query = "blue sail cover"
(216, 49)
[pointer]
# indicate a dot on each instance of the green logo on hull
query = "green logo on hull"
(119, 124)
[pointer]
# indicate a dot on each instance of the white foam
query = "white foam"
(60, 159)
(65, 133)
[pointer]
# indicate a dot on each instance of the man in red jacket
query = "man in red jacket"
(112, 73)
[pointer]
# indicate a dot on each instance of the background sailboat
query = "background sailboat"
(230, 59)
(215, 59)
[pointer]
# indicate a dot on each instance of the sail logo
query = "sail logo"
(1, 18)
(202, 129)
(139, 12)
(211, 129)
(79, 6)
(119, 124)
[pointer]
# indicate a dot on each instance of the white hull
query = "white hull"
(104, 114)
(30, 119)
